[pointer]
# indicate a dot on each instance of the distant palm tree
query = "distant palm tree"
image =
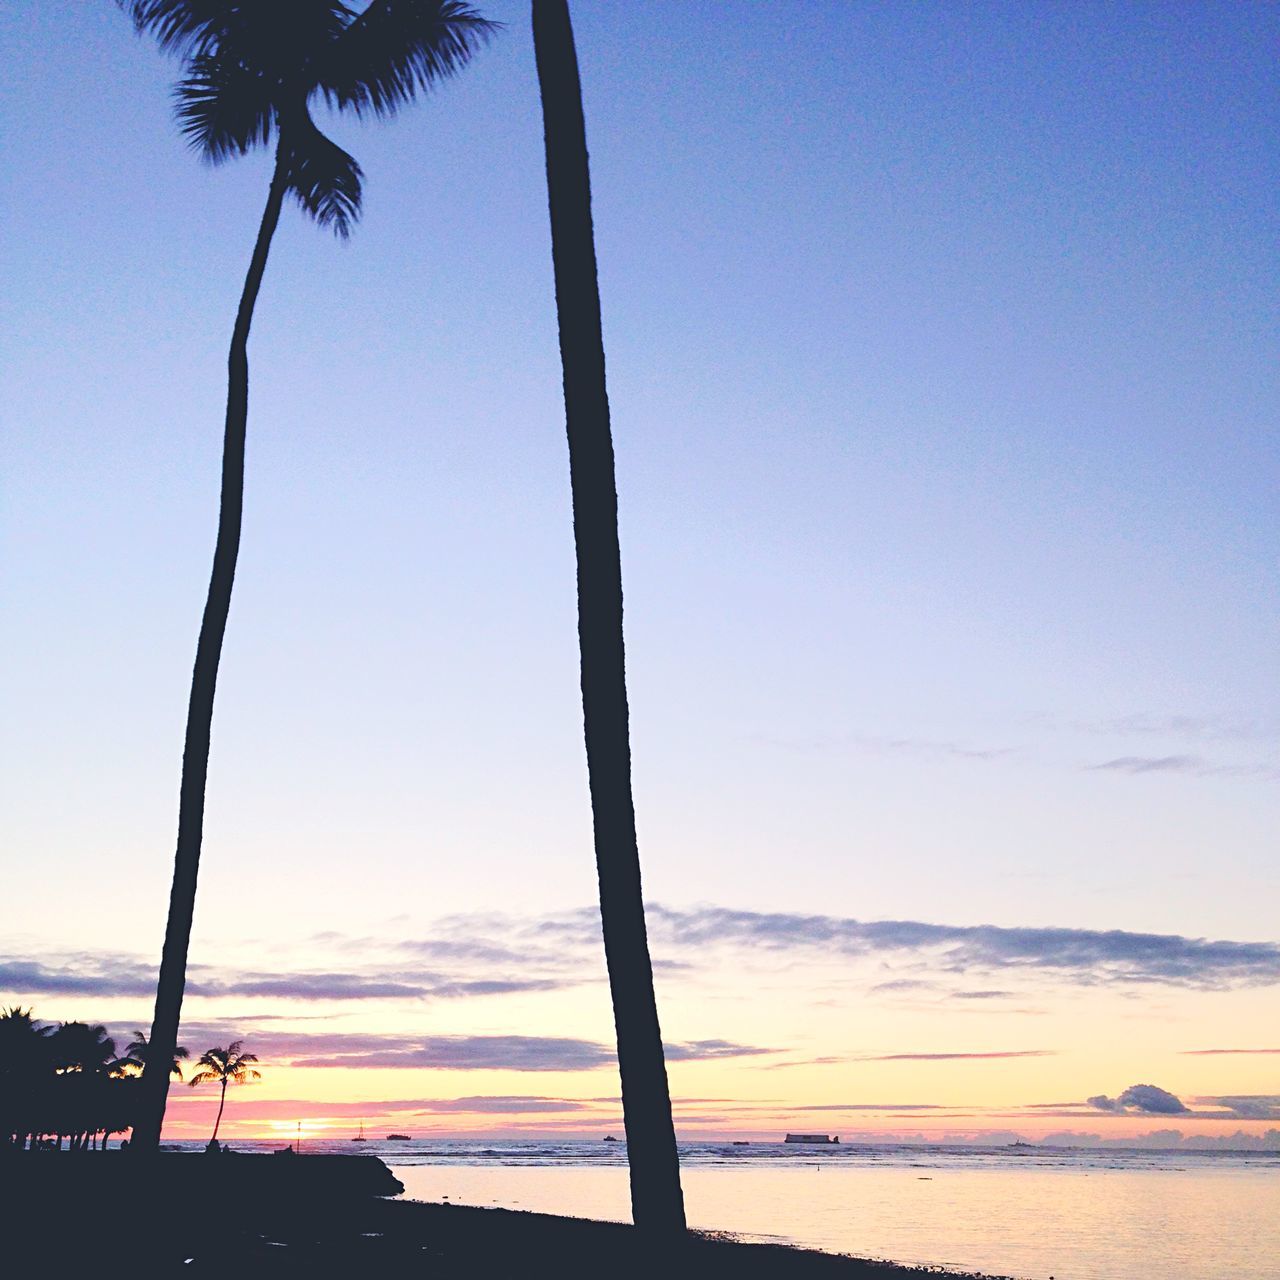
(137, 1052)
(224, 1066)
(250, 72)
(657, 1204)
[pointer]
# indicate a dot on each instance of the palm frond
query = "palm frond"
(181, 25)
(326, 182)
(224, 107)
(397, 47)
(203, 1077)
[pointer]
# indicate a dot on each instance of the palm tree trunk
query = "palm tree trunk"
(218, 1121)
(195, 756)
(657, 1204)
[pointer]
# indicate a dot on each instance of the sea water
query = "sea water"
(1027, 1212)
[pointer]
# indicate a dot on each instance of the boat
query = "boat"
(608, 1137)
(398, 1137)
(813, 1139)
(361, 1137)
(739, 1142)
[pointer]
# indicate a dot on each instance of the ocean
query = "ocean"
(1025, 1212)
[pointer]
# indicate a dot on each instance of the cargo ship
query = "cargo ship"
(813, 1139)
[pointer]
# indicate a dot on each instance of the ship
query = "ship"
(398, 1137)
(813, 1139)
(361, 1137)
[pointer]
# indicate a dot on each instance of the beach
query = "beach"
(1027, 1212)
(272, 1216)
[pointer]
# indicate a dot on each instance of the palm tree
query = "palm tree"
(250, 72)
(225, 1066)
(137, 1054)
(24, 1058)
(657, 1204)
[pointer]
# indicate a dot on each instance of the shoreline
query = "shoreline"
(325, 1215)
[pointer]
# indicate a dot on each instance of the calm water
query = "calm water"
(1024, 1212)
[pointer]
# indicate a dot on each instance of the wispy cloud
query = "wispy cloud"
(1192, 765)
(952, 1057)
(1150, 764)
(1255, 1106)
(447, 1052)
(1209, 1052)
(1084, 956)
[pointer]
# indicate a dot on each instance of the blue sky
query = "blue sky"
(941, 352)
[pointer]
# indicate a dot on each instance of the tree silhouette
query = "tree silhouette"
(250, 73)
(224, 1067)
(657, 1204)
(138, 1049)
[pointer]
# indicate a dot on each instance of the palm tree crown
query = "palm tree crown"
(137, 1053)
(225, 1066)
(251, 69)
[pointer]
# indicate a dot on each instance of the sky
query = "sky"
(941, 349)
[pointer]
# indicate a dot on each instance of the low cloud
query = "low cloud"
(1085, 956)
(450, 1052)
(1207, 1052)
(113, 976)
(1256, 1106)
(474, 1053)
(703, 1050)
(1145, 1099)
(952, 1057)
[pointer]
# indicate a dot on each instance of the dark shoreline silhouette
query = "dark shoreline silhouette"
(331, 1215)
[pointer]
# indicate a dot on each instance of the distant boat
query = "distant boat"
(361, 1138)
(739, 1142)
(608, 1137)
(398, 1137)
(813, 1139)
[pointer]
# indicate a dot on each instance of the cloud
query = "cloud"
(112, 975)
(1207, 1052)
(1257, 1106)
(1150, 764)
(951, 1057)
(703, 1050)
(981, 995)
(1085, 956)
(870, 1106)
(1148, 1099)
(448, 1052)
(92, 976)
(309, 1108)
(1192, 765)
(474, 1053)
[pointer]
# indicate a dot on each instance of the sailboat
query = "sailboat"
(361, 1137)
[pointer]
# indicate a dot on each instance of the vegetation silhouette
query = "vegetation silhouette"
(65, 1082)
(224, 1067)
(657, 1203)
(250, 72)
(138, 1048)
(61, 1083)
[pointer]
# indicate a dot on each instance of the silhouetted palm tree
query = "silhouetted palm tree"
(138, 1048)
(224, 1066)
(24, 1060)
(656, 1200)
(250, 72)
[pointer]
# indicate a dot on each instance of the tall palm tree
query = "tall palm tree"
(224, 1067)
(250, 73)
(138, 1049)
(657, 1204)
